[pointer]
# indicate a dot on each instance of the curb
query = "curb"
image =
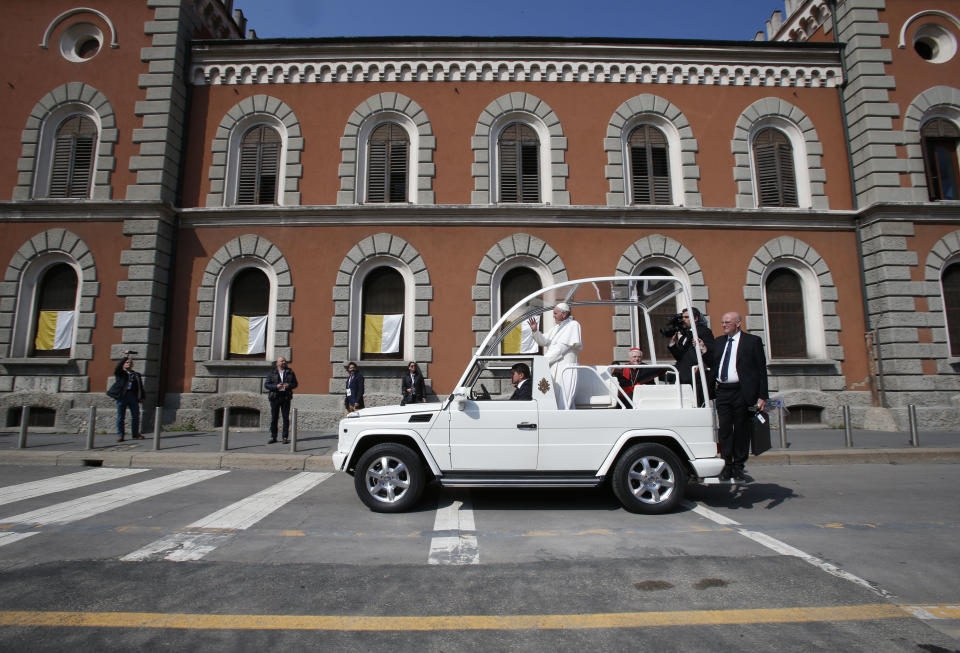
(305, 462)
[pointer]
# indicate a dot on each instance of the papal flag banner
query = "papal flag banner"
(248, 335)
(520, 340)
(381, 334)
(54, 330)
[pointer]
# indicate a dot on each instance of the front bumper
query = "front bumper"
(340, 460)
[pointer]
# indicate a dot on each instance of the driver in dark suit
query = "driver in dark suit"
(520, 377)
(741, 370)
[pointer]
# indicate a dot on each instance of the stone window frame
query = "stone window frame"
(368, 254)
(35, 149)
(944, 252)
(527, 108)
(936, 102)
(518, 249)
(807, 153)
(379, 108)
(249, 250)
(243, 116)
(819, 293)
(20, 285)
(665, 116)
(660, 251)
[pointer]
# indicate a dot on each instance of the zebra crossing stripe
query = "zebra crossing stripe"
(13, 493)
(77, 509)
(459, 548)
(238, 516)
(10, 538)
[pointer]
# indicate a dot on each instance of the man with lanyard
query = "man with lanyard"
(280, 383)
(561, 348)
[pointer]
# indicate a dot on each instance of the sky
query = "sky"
(688, 19)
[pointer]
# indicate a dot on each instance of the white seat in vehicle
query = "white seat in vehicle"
(595, 389)
(657, 396)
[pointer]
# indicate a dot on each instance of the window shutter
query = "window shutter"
(519, 164)
(387, 154)
(398, 172)
(649, 166)
(73, 154)
(776, 178)
(530, 173)
(377, 173)
(259, 166)
(788, 338)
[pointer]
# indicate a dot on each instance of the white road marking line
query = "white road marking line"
(22, 491)
(783, 548)
(10, 538)
(238, 516)
(77, 509)
(459, 549)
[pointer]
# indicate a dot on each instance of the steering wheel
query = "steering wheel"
(483, 395)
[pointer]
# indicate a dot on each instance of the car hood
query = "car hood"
(410, 409)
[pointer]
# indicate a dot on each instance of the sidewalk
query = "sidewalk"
(250, 450)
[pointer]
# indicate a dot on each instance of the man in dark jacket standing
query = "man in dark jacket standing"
(741, 369)
(354, 391)
(280, 383)
(128, 387)
(411, 385)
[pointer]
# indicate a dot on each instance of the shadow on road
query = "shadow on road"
(751, 495)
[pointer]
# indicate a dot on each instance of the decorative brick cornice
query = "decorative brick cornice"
(607, 61)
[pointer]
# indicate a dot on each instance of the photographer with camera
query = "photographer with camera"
(681, 343)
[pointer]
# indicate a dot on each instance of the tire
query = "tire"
(649, 479)
(389, 477)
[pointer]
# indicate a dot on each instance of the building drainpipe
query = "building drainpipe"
(880, 395)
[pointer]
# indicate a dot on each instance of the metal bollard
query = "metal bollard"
(914, 436)
(24, 421)
(847, 430)
(157, 418)
(783, 426)
(293, 430)
(91, 426)
(225, 434)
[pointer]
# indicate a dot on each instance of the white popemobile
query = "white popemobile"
(648, 446)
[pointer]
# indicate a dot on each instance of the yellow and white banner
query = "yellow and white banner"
(248, 335)
(520, 340)
(54, 330)
(381, 334)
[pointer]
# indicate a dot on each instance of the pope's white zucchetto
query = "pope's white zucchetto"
(563, 306)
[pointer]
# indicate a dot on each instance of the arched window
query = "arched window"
(773, 162)
(74, 146)
(951, 305)
(516, 284)
(785, 315)
(659, 317)
(649, 166)
(387, 156)
(519, 150)
(383, 308)
(259, 166)
(940, 141)
(55, 311)
(249, 311)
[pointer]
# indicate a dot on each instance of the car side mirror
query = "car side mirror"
(459, 399)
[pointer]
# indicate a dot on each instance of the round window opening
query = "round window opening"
(81, 42)
(934, 43)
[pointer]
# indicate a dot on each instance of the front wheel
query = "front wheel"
(389, 478)
(649, 479)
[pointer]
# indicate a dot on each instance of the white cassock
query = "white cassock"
(560, 349)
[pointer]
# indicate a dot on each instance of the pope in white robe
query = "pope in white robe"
(561, 349)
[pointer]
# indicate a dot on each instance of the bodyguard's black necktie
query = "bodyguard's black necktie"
(725, 367)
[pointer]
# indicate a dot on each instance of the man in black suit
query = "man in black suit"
(520, 377)
(741, 370)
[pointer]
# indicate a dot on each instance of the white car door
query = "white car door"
(494, 435)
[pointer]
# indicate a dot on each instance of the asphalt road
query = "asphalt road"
(804, 558)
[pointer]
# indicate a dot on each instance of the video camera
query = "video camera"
(674, 324)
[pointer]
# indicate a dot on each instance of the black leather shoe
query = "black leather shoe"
(286, 441)
(725, 474)
(271, 440)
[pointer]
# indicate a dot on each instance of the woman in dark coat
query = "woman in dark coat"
(411, 385)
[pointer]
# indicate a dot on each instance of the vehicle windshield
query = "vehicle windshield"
(642, 293)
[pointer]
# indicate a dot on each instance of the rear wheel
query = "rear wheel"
(389, 477)
(649, 478)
